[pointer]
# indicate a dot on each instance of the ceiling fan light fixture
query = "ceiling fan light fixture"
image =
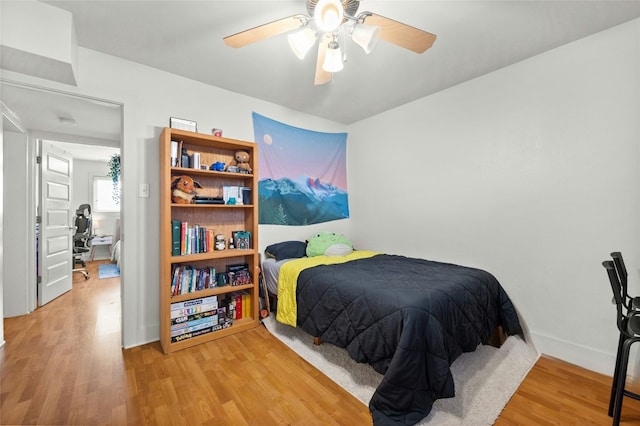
(301, 41)
(366, 36)
(333, 58)
(328, 15)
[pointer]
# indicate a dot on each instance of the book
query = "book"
(189, 329)
(190, 335)
(175, 280)
(196, 316)
(194, 310)
(188, 279)
(238, 306)
(246, 305)
(193, 302)
(183, 238)
(225, 323)
(191, 325)
(242, 239)
(176, 226)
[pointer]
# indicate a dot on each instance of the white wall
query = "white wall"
(531, 172)
(17, 298)
(1, 233)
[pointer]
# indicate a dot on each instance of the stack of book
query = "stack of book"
(197, 317)
(187, 279)
(239, 305)
(193, 318)
(190, 239)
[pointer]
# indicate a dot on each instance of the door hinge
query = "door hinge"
(39, 280)
(38, 219)
(38, 159)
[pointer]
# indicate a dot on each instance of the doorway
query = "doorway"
(87, 124)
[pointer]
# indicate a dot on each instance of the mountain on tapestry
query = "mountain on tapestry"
(304, 200)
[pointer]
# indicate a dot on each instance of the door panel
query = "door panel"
(56, 230)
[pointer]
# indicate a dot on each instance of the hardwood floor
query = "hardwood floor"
(63, 364)
(558, 393)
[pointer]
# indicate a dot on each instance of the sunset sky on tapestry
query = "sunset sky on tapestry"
(302, 174)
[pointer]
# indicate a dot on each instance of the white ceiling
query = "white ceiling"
(473, 38)
(90, 128)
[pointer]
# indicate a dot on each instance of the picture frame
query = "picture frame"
(183, 124)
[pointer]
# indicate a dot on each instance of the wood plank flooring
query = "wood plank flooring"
(63, 365)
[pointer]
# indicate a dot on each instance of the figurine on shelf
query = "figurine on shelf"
(240, 162)
(183, 189)
(218, 166)
(220, 243)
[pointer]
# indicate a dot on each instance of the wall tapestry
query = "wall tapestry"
(302, 174)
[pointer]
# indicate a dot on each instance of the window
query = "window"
(106, 198)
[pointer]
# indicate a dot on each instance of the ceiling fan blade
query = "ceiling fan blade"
(322, 76)
(400, 34)
(264, 31)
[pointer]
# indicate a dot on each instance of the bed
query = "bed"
(408, 318)
(115, 253)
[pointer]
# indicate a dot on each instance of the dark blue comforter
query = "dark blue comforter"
(409, 319)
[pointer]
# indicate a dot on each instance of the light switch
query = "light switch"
(143, 190)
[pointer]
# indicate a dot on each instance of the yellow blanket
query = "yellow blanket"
(288, 281)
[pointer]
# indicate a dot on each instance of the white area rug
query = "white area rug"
(484, 379)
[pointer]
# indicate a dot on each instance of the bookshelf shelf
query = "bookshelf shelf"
(212, 206)
(210, 292)
(187, 318)
(221, 254)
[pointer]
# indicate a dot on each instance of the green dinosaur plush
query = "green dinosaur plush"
(328, 244)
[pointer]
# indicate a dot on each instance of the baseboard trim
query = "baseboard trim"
(583, 356)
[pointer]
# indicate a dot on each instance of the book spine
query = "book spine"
(246, 305)
(193, 310)
(183, 239)
(175, 237)
(194, 302)
(174, 280)
(191, 325)
(186, 336)
(196, 316)
(238, 307)
(189, 329)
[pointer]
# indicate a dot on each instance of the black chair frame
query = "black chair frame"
(628, 322)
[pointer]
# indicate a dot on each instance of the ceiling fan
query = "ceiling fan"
(332, 21)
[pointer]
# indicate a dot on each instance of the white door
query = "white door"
(56, 230)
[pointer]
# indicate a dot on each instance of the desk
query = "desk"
(101, 240)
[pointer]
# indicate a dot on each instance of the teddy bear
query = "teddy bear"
(241, 161)
(183, 189)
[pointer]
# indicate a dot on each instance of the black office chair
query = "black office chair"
(82, 238)
(628, 321)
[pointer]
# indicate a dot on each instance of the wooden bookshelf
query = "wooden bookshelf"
(221, 218)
